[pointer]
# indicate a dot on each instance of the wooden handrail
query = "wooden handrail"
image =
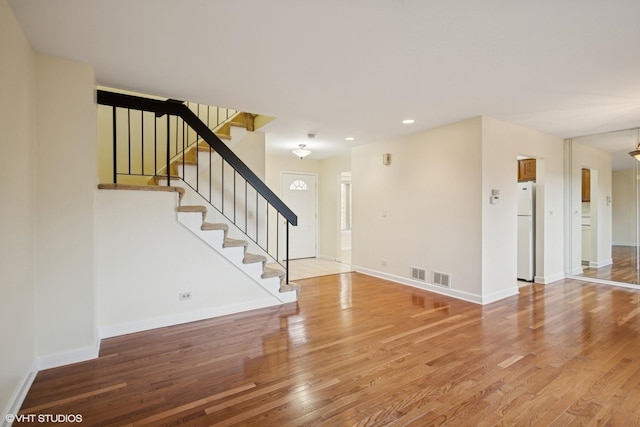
(178, 109)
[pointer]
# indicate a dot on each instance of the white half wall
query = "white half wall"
(66, 178)
(145, 258)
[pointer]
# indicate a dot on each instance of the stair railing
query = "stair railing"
(158, 141)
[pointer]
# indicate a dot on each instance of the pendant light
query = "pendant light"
(302, 152)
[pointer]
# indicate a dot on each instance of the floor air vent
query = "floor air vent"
(419, 274)
(441, 279)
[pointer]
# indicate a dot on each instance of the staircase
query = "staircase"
(253, 253)
(216, 235)
(189, 155)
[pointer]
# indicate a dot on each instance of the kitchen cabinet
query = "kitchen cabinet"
(526, 170)
(586, 185)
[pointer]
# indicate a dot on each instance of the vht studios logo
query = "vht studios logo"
(44, 418)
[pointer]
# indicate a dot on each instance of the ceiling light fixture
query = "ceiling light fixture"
(408, 121)
(636, 153)
(349, 138)
(302, 152)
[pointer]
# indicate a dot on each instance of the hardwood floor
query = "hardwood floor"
(360, 351)
(624, 268)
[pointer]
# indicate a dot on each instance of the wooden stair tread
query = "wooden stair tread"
(214, 226)
(288, 287)
(233, 243)
(192, 208)
(250, 258)
(204, 147)
(272, 272)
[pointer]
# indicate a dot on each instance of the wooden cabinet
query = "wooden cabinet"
(586, 185)
(526, 170)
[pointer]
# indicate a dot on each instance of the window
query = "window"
(345, 206)
(298, 185)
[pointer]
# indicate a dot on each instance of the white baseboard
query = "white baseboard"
(17, 397)
(68, 357)
(605, 282)
(576, 271)
(465, 296)
(496, 296)
(544, 280)
(599, 264)
(179, 318)
(623, 244)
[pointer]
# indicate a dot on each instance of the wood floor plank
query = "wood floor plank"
(357, 350)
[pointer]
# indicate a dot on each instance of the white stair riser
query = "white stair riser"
(235, 254)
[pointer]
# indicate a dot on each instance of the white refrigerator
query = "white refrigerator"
(526, 234)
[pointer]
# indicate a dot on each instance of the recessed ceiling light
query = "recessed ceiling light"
(349, 138)
(407, 121)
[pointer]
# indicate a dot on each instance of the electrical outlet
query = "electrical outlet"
(183, 296)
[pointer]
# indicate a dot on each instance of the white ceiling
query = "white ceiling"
(358, 67)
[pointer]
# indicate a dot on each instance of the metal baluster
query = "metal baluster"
(168, 148)
(129, 136)
(222, 189)
(286, 268)
(246, 208)
(197, 164)
(183, 151)
(115, 147)
(142, 142)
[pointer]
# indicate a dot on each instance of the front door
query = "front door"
(299, 193)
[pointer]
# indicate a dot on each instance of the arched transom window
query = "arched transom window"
(299, 185)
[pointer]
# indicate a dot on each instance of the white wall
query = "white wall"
(502, 143)
(66, 178)
(17, 209)
(431, 207)
(329, 245)
(251, 150)
(145, 258)
(424, 209)
(599, 161)
(623, 207)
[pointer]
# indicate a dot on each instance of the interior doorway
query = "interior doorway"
(346, 218)
(604, 228)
